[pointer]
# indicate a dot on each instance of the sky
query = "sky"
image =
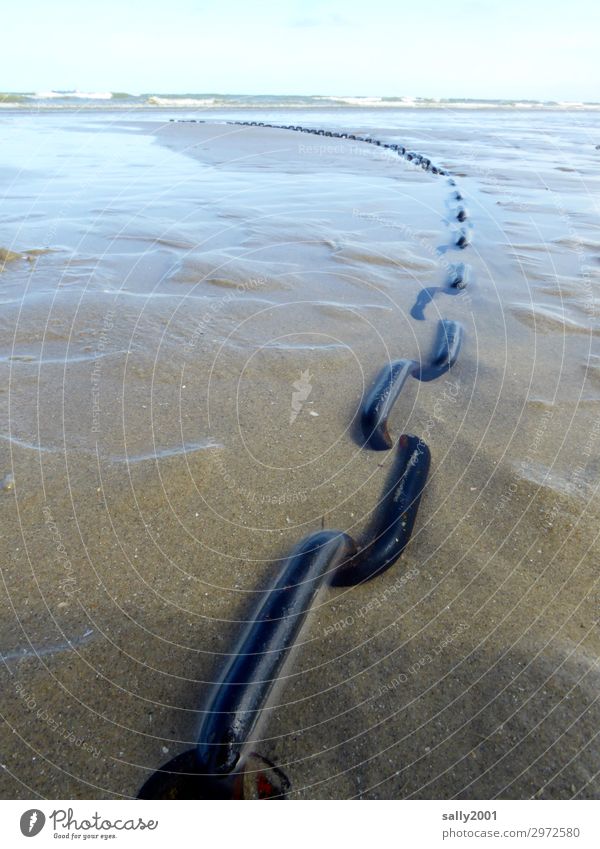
(535, 49)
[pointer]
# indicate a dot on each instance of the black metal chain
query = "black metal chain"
(219, 766)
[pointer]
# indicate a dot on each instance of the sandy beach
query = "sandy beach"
(164, 288)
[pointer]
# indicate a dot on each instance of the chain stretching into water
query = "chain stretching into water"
(218, 766)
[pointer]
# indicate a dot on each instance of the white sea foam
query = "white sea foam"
(76, 95)
(155, 100)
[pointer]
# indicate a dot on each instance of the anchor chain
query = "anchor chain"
(218, 766)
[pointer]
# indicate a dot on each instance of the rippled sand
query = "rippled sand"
(168, 288)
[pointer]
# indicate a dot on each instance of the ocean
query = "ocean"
(122, 100)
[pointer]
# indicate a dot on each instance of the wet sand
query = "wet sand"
(195, 273)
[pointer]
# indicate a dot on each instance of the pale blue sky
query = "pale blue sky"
(435, 48)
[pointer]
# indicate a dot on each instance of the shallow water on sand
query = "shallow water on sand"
(170, 289)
